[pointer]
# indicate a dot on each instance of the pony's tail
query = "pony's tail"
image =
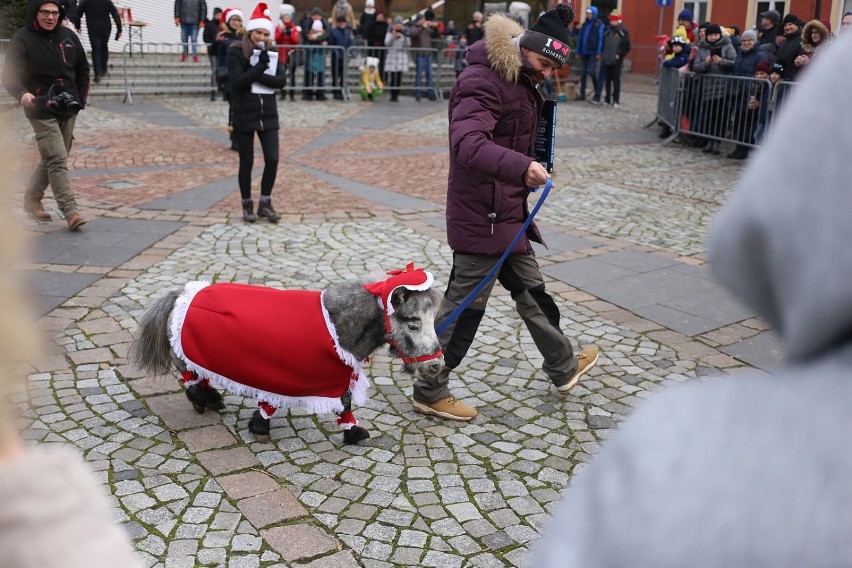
(150, 350)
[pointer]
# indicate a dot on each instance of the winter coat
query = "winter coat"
(747, 469)
(375, 36)
(788, 51)
(679, 60)
(315, 58)
(616, 41)
(191, 12)
(37, 59)
(397, 59)
(252, 111)
(211, 29)
(494, 111)
(809, 48)
(421, 37)
(286, 35)
(744, 67)
(591, 35)
(98, 13)
(341, 37)
(717, 88)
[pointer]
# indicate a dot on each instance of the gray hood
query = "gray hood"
(784, 241)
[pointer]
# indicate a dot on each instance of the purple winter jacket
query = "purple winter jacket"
(494, 111)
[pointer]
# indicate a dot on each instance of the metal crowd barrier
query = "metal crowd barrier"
(725, 108)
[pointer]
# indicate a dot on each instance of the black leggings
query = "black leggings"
(245, 144)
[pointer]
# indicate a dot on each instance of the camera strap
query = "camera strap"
(490, 276)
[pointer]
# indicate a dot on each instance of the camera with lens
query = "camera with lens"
(58, 102)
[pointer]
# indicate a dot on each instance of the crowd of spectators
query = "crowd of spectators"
(762, 64)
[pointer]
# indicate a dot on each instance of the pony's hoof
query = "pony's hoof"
(199, 408)
(259, 427)
(213, 399)
(355, 435)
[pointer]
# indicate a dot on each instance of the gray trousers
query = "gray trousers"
(53, 136)
(521, 276)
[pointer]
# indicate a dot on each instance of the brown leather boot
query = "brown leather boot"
(75, 221)
(36, 210)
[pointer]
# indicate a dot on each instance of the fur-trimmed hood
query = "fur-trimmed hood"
(807, 45)
(500, 50)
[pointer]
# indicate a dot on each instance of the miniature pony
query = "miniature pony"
(290, 348)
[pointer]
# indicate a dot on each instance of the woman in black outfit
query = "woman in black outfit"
(248, 61)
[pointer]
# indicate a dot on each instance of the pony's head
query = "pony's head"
(412, 330)
(410, 305)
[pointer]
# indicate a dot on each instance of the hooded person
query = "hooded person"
(494, 109)
(748, 469)
(589, 48)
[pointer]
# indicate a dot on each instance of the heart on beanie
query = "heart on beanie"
(557, 45)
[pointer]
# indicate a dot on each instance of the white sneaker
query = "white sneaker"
(614, 105)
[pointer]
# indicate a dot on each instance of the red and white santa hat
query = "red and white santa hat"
(261, 19)
(410, 278)
(229, 13)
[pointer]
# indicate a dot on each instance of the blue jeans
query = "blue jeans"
(189, 32)
(424, 65)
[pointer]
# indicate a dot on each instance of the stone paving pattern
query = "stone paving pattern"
(196, 490)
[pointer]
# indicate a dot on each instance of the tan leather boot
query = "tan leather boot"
(35, 209)
(75, 221)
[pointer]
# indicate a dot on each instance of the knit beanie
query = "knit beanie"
(713, 29)
(750, 34)
(763, 65)
(549, 35)
(791, 19)
(685, 15)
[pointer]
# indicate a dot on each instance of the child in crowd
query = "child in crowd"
(680, 52)
(371, 84)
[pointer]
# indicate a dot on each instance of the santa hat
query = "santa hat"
(410, 278)
(549, 35)
(229, 13)
(260, 19)
(615, 16)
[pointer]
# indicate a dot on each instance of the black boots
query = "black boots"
(204, 397)
(248, 211)
(265, 210)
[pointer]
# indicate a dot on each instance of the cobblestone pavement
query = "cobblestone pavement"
(196, 490)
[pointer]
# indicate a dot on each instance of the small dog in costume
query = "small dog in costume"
(290, 348)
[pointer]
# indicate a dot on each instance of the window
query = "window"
(698, 9)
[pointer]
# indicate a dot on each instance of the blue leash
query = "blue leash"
(488, 277)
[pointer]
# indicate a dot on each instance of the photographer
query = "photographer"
(47, 72)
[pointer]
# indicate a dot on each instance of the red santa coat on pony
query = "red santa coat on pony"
(278, 346)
